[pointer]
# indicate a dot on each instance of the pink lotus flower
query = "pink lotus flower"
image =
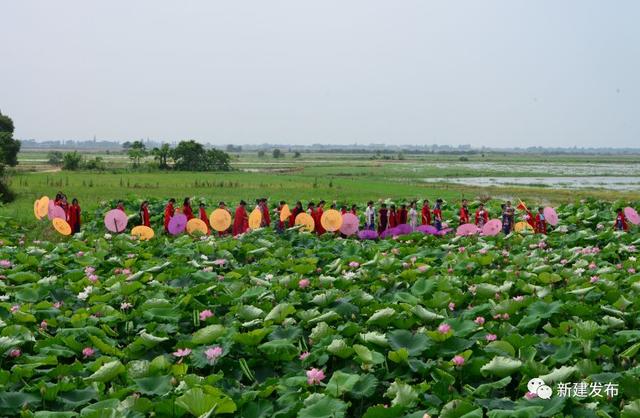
(594, 279)
(354, 264)
(632, 248)
(491, 337)
(618, 266)
(126, 271)
(406, 265)
(564, 261)
(483, 251)
(518, 298)
(497, 296)
(530, 395)
(15, 308)
(422, 269)
(458, 360)
(592, 266)
(304, 283)
(220, 262)
(599, 226)
(15, 353)
(88, 352)
(395, 251)
(58, 304)
(5, 264)
(205, 314)
(449, 270)
(542, 244)
(117, 270)
(461, 249)
(315, 376)
(213, 353)
(89, 270)
(473, 289)
(131, 255)
(444, 328)
(92, 278)
(78, 254)
(631, 270)
(43, 325)
(126, 305)
(505, 316)
(452, 306)
(304, 356)
(505, 253)
(182, 352)
(479, 320)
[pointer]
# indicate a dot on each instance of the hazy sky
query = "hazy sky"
(495, 73)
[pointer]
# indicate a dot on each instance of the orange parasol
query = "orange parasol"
(255, 219)
(331, 220)
(306, 221)
(197, 226)
(220, 220)
(143, 232)
(61, 226)
(284, 213)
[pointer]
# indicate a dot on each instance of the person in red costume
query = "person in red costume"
(541, 222)
(437, 214)
(393, 216)
(202, 214)
(280, 224)
(74, 216)
(354, 209)
(318, 219)
(482, 216)
(426, 213)
(343, 210)
(295, 212)
(169, 211)
(186, 209)
(621, 221)
(241, 219)
(463, 215)
(402, 215)
(383, 215)
(144, 214)
(264, 210)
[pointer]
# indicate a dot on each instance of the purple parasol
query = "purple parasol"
(177, 223)
(427, 229)
(389, 232)
(403, 229)
(368, 234)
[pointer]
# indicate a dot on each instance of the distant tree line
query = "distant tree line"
(9, 149)
(186, 156)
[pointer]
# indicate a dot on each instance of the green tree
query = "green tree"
(137, 151)
(9, 149)
(71, 161)
(191, 156)
(277, 153)
(162, 155)
(55, 158)
(260, 154)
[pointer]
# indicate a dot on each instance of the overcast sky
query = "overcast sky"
(495, 73)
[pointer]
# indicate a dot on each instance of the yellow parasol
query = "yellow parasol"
(331, 220)
(255, 219)
(306, 221)
(61, 226)
(42, 208)
(522, 227)
(284, 213)
(220, 220)
(196, 225)
(143, 232)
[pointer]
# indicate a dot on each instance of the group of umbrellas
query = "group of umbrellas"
(46, 208)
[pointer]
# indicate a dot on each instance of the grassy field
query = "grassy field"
(345, 178)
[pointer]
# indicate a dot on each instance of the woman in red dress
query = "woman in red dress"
(169, 211)
(241, 219)
(186, 209)
(74, 216)
(144, 214)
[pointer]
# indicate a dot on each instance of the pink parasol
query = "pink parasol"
(177, 223)
(467, 229)
(56, 212)
(350, 224)
(550, 215)
(443, 232)
(632, 215)
(492, 228)
(116, 220)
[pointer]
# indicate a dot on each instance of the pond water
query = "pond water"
(548, 168)
(577, 182)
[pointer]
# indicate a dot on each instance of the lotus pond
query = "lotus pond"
(294, 325)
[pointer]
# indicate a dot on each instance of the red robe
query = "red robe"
(203, 217)
(240, 221)
(393, 218)
(622, 221)
(384, 219)
(353, 211)
(464, 215)
(541, 224)
(484, 216)
(188, 212)
(402, 216)
(318, 221)
(426, 215)
(531, 220)
(168, 213)
(343, 211)
(74, 218)
(144, 217)
(266, 218)
(292, 217)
